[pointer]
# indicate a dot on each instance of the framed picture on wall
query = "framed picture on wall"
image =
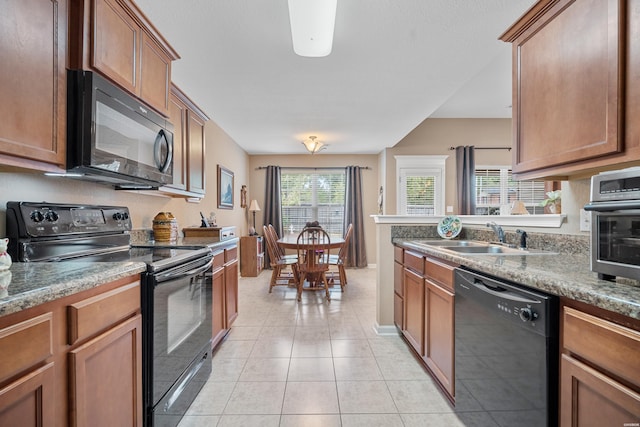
(225, 188)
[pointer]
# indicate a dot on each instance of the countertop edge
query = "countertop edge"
(620, 298)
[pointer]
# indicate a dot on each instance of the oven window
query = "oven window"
(619, 238)
(186, 312)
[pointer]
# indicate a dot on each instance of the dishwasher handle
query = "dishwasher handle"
(496, 289)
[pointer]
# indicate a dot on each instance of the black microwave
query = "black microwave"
(114, 138)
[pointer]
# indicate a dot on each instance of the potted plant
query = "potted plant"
(553, 202)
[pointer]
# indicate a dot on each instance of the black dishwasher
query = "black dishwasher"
(506, 352)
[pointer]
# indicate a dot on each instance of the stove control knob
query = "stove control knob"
(37, 216)
(125, 215)
(51, 216)
(527, 314)
(117, 216)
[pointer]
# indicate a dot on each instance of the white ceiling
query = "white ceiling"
(394, 63)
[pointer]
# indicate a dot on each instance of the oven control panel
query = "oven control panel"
(26, 219)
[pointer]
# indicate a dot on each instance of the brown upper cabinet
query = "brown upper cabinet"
(33, 47)
(188, 146)
(576, 88)
(116, 39)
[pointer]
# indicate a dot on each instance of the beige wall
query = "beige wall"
(256, 187)
(143, 205)
(435, 136)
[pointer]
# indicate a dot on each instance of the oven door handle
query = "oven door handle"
(612, 206)
(171, 275)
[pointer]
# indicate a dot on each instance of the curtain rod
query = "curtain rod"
(486, 148)
(321, 168)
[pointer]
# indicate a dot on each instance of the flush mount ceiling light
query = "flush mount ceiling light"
(314, 146)
(312, 23)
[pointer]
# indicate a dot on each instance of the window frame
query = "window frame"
(421, 166)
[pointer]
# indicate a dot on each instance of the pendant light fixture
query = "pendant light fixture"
(312, 24)
(314, 146)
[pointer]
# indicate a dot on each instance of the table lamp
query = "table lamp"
(254, 208)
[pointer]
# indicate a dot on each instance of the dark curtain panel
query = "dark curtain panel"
(272, 203)
(357, 253)
(466, 179)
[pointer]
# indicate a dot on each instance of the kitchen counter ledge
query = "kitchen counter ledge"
(35, 283)
(561, 274)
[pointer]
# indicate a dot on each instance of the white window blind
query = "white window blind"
(313, 195)
(496, 187)
(420, 194)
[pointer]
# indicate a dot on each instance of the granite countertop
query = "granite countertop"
(561, 274)
(26, 284)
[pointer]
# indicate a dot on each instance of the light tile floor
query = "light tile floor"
(315, 363)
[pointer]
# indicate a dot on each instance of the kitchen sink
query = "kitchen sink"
(476, 247)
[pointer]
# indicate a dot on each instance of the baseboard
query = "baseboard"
(385, 330)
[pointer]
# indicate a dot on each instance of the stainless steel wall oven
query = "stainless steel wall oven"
(175, 297)
(615, 224)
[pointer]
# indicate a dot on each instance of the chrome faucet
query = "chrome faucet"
(498, 230)
(523, 239)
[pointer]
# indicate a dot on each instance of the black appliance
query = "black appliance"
(506, 352)
(113, 138)
(175, 298)
(615, 224)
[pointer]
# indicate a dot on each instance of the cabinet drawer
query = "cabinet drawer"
(230, 254)
(218, 260)
(414, 261)
(603, 343)
(25, 344)
(439, 272)
(97, 313)
(398, 254)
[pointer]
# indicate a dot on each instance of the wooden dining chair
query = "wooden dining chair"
(340, 259)
(279, 263)
(313, 247)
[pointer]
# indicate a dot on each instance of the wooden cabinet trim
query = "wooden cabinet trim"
(440, 272)
(607, 345)
(102, 311)
(414, 261)
(25, 344)
(82, 388)
(35, 390)
(613, 400)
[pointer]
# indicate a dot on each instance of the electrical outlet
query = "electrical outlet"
(585, 220)
(449, 209)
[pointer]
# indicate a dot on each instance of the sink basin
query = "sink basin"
(475, 247)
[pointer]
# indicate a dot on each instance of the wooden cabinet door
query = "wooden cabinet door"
(195, 130)
(115, 45)
(398, 274)
(155, 74)
(106, 378)
(29, 401)
(33, 40)
(178, 117)
(567, 85)
(231, 292)
(590, 398)
(414, 310)
(218, 296)
(439, 334)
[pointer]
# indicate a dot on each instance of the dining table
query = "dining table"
(290, 241)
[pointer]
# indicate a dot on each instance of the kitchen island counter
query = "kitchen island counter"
(27, 284)
(562, 274)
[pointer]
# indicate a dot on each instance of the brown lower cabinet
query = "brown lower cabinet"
(71, 361)
(599, 380)
(427, 307)
(224, 282)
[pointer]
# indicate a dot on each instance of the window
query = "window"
(312, 195)
(495, 187)
(420, 185)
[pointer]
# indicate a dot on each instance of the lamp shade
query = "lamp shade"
(254, 206)
(312, 24)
